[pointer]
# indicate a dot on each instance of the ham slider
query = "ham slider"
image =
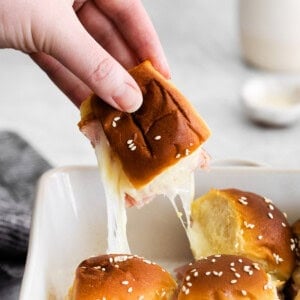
(121, 277)
(145, 153)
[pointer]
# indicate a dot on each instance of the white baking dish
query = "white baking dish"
(69, 222)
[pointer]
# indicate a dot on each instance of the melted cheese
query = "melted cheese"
(115, 205)
(176, 181)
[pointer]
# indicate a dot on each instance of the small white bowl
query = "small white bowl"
(272, 101)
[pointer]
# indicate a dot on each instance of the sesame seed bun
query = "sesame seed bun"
(232, 221)
(163, 131)
(121, 277)
(221, 277)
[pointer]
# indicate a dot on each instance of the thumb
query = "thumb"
(72, 46)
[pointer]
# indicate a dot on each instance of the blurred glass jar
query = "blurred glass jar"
(270, 33)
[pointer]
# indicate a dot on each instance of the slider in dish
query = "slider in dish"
(220, 277)
(232, 221)
(121, 277)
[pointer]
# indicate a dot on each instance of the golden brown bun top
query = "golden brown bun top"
(165, 128)
(121, 277)
(265, 234)
(221, 277)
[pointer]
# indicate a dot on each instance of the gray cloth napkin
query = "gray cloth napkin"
(20, 168)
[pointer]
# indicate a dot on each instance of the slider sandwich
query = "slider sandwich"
(236, 222)
(220, 277)
(153, 150)
(120, 276)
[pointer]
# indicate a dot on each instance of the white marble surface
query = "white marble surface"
(201, 42)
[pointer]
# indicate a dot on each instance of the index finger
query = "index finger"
(132, 20)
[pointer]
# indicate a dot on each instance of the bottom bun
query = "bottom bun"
(220, 277)
(121, 277)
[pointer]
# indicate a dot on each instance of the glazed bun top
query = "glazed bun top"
(163, 131)
(232, 221)
(221, 277)
(121, 277)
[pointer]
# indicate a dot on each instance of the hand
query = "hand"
(85, 45)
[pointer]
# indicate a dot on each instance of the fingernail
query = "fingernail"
(128, 98)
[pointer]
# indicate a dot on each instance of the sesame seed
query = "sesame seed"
(189, 284)
(237, 275)
(114, 124)
(247, 268)
(213, 260)
(129, 142)
(97, 267)
(232, 264)
(233, 269)
(187, 291)
(285, 214)
(178, 155)
(117, 266)
(268, 200)
(249, 225)
(187, 278)
(207, 273)
(117, 118)
(277, 258)
(130, 289)
(233, 281)
(183, 288)
(133, 148)
(260, 237)
(120, 258)
(243, 200)
(131, 145)
(256, 266)
(103, 269)
(157, 138)
(270, 215)
(163, 293)
(216, 273)
(142, 297)
(240, 260)
(149, 262)
(283, 224)
(111, 260)
(196, 274)
(271, 206)
(125, 282)
(193, 270)
(244, 293)
(191, 144)
(187, 152)
(218, 255)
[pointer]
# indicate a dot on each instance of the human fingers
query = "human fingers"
(85, 58)
(65, 80)
(133, 22)
(106, 34)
